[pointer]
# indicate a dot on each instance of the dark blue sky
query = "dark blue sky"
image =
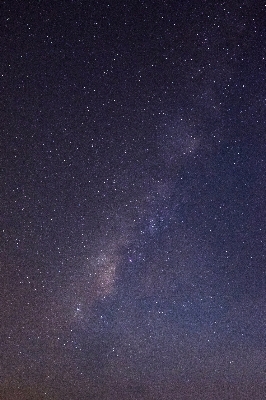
(133, 166)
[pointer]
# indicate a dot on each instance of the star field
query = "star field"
(133, 167)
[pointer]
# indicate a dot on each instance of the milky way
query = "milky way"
(133, 200)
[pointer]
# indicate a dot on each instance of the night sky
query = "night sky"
(133, 200)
